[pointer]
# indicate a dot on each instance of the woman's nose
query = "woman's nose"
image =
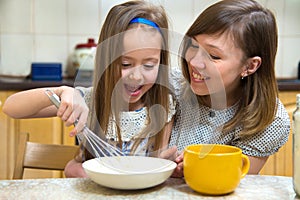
(198, 61)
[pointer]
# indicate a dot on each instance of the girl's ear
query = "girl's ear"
(253, 64)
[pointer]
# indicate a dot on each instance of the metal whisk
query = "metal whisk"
(93, 143)
(102, 150)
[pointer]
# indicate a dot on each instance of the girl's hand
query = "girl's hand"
(72, 109)
(74, 169)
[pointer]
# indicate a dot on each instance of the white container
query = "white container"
(83, 57)
(296, 146)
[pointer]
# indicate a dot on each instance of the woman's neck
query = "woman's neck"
(219, 102)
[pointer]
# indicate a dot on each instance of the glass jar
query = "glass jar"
(296, 146)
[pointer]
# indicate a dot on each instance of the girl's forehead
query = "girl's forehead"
(140, 38)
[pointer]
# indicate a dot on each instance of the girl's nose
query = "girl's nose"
(136, 73)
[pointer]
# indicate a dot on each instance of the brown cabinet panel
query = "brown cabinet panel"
(7, 141)
(42, 130)
(281, 162)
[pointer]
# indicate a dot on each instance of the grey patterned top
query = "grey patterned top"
(131, 123)
(198, 124)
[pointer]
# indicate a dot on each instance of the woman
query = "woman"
(230, 95)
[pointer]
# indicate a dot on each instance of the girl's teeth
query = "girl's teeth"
(132, 88)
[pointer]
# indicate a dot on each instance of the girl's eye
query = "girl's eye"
(126, 65)
(149, 66)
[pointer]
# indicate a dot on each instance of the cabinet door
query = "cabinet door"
(281, 162)
(41, 130)
(7, 141)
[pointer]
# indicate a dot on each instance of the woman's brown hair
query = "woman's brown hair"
(108, 70)
(254, 30)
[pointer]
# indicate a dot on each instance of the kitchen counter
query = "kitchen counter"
(288, 84)
(250, 187)
(25, 84)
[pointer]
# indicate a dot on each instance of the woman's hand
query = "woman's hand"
(72, 109)
(178, 172)
(169, 154)
(172, 154)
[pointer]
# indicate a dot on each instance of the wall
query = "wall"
(48, 30)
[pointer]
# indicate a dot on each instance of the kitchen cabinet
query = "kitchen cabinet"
(281, 162)
(42, 130)
(7, 141)
(52, 130)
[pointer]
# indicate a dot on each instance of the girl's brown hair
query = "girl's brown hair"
(254, 30)
(108, 70)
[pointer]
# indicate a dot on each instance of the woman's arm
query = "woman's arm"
(256, 164)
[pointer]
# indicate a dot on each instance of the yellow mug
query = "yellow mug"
(214, 169)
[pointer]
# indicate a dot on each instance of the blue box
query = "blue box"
(46, 71)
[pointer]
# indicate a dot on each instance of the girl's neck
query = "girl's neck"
(136, 106)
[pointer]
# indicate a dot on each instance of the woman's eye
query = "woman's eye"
(195, 46)
(215, 57)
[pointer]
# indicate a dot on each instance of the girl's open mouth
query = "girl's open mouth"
(133, 90)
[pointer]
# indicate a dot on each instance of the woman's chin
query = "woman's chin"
(199, 91)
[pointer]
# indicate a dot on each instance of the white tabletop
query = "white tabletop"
(251, 187)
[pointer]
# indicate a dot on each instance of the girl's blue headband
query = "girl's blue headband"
(145, 21)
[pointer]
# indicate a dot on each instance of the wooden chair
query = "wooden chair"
(41, 156)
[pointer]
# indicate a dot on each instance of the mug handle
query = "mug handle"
(246, 165)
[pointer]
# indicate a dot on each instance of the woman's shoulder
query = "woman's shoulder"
(271, 139)
(281, 112)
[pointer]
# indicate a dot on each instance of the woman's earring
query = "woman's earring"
(244, 74)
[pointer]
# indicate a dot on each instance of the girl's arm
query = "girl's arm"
(74, 169)
(35, 104)
(29, 104)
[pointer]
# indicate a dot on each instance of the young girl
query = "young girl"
(231, 94)
(129, 102)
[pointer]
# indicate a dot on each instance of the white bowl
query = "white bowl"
(129, 172)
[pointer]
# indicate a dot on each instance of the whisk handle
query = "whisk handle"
(55, 100)
(53, 97)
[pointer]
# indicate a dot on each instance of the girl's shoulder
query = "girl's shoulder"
(176, 81)
(172, 107)
(86, 93)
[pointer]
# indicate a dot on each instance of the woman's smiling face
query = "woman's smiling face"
(214, 62)
(140, 64)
